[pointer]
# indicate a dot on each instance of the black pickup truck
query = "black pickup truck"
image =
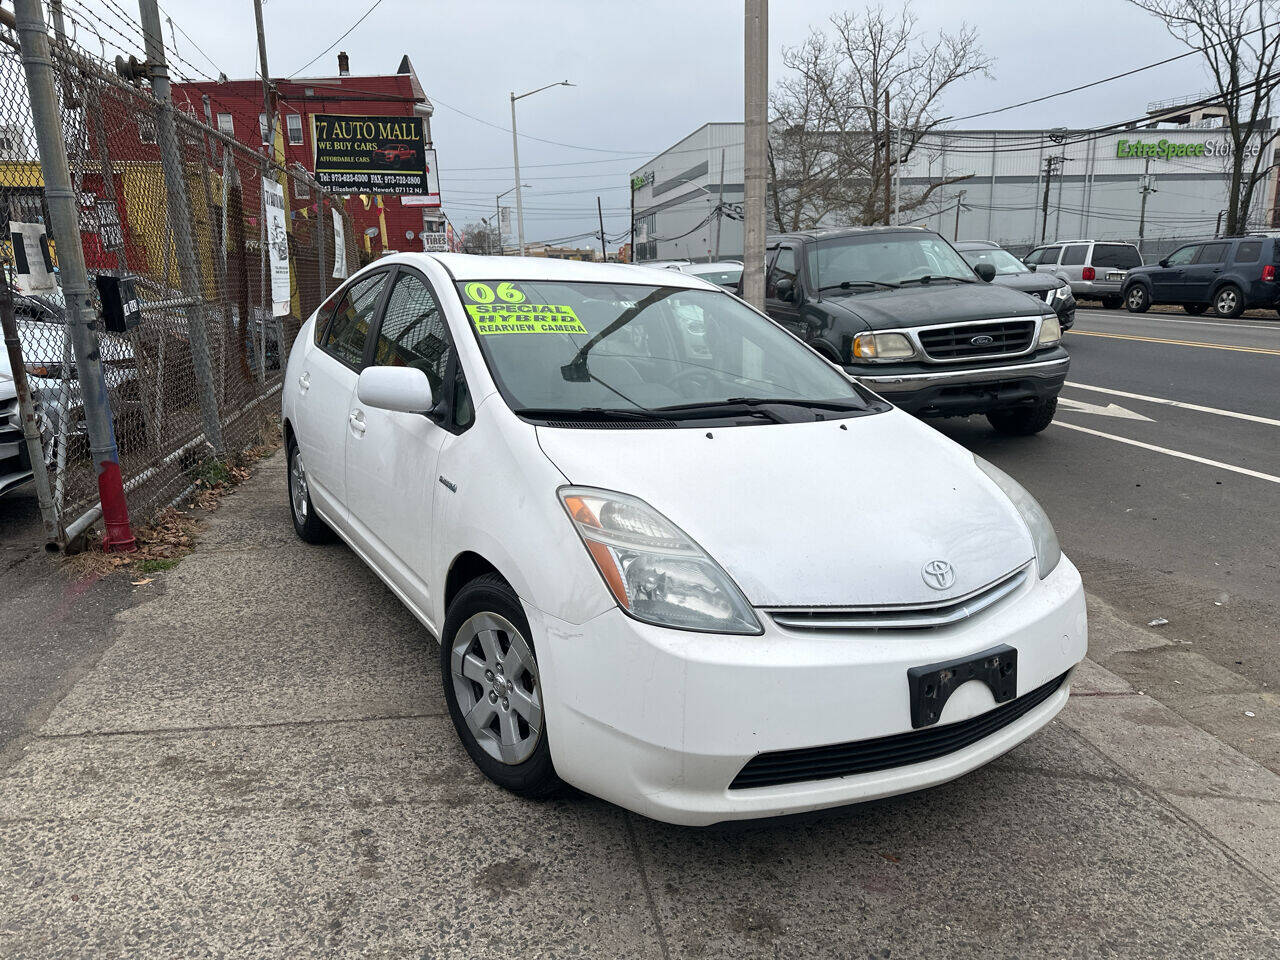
(901, 310)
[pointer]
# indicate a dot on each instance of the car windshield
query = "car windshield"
(1004, 261)
(607, 347)
(722, 277)
(892, 258)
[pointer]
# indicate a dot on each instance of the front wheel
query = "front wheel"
(1023, 421)
(1136, 299)
(493, 687)
(1228, 301)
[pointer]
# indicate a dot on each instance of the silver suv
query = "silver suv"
(1095, 268)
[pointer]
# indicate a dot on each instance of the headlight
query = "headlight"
(1061, 293)
(1048, 552)
(656, 573)
(1050, 331)
(882, 346)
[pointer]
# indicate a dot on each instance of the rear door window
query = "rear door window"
(1213, 253)
(1122, 255)
(1249, 251)
(349, 328)
(1073, 255)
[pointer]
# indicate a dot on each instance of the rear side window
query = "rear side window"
(1123, 255)
(1073, 256)
(324, 314)
(1213, 253)
(350, 325)
(1249, 251)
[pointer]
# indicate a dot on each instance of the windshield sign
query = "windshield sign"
(633, 349)
(885, 260)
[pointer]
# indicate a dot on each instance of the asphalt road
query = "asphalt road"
(1161, 473)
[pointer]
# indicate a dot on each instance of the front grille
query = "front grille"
(956, 343)
(906, 617)
(885, 753)
(10, 421)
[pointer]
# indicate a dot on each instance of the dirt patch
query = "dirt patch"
(507, 876)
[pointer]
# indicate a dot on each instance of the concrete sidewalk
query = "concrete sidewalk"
(260, 765)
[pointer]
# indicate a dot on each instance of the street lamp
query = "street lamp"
(897, 176)
(498, 211)
(515, 155)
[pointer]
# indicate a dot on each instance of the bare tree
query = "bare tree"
(480, 238)
(1240, 41)
(831, 152)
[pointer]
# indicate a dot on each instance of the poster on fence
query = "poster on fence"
(32, 264)
(339, 248)
(277, 244)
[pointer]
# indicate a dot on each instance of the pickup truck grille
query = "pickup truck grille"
(957, 343)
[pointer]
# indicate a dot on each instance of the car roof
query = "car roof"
(828, 233)
(466, 266)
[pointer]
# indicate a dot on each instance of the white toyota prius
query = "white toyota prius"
(673, 557)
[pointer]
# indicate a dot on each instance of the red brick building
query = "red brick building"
(236, 108)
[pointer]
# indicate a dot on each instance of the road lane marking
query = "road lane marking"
(1242, 325)
(1172, 453)
(1110, 410)
(1176, 343)
(1253, 418)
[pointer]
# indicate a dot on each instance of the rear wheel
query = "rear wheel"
(493, 688)
(1195, 309)
(1136, 299)
(1023, 421)
(306, 524)
(1228, 301)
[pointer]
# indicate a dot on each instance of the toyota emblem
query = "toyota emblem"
(938, 574)
(982, 340)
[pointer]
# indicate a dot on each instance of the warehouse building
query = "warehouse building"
(1018, 186)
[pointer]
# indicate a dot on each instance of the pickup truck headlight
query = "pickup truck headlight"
(882, 346)
(1050, 331)
(654, 570)
(1048, 551)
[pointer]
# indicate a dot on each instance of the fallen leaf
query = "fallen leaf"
(143, 582)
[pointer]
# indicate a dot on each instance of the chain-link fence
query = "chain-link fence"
(199, 374)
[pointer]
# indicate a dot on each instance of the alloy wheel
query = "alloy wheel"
(1136, 297)
(298, 487)
(495, 679)
(1226, 302)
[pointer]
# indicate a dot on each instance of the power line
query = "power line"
(346, 33)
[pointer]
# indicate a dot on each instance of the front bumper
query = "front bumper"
(949, 392)
(662, 721)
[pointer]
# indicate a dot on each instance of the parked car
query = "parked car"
(15, 465)
(664, 264)
(725, 273)
(1012, 272)
(1231, 275)
(629, 595)
(1094, 268)
(901, 310)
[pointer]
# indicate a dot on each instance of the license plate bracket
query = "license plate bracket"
(931, 685)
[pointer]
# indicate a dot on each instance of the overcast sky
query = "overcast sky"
(648, 72)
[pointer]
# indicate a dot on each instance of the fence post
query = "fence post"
(322, 224)
(179, 213)
(64, 218)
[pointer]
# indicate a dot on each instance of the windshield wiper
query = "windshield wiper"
(759, 405)
(586, 413)
(846, 284)
(928, 278)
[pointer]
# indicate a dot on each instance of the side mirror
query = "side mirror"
(1164, 262)
(985, 271)
(785, 288)
(405, 389)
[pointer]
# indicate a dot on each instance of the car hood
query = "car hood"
(1027, 282)
(810, 514)
(921, 306)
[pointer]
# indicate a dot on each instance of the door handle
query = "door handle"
(356, 419)
(304, 381)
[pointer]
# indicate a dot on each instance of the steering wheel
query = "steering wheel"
(693, 382)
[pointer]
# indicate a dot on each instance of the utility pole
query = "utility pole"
(1057, 219)
(955, 234)
(1145, 186)
(515, 160)
(81, 322)
(179, 214)
(268, 96)
(755, 147)
(604, 254)
(1049, 164)
(720, 204)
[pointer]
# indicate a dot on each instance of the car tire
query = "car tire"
(306, 523)
(1112, 303)
(486, 645)
(1228, 301)
(1195, 309)
(1023, 421)
(1137, 299)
